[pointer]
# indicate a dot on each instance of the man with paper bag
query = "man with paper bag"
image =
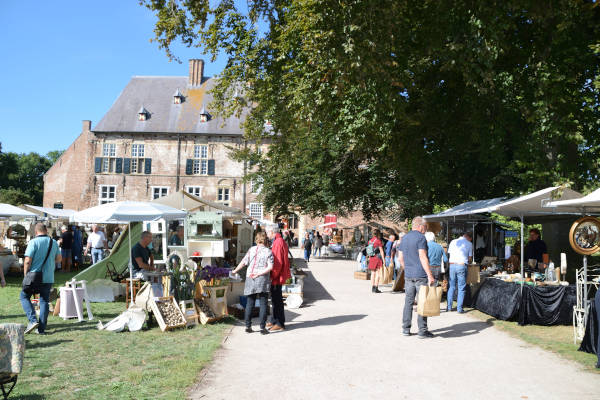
(414, 261)
(428, 304)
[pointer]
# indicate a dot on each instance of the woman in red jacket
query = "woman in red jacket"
(279, 274)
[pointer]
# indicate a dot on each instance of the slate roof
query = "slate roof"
(155, 94)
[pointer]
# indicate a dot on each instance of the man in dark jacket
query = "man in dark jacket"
(279, 275)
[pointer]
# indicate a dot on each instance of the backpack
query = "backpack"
(370, 250)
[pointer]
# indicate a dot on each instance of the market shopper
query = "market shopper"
(537, 250)
(318, 244)
(77, 247)
(279, 275)
(413, 258)
(142, 259)
(41, 256)
(97, 244)
(390, 251)
(461, 254)
(376, 257)
(66, 246)
(307, 246)
(259, 260)
(435, 254)
(397, 265)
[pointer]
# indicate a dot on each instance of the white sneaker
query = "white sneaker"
(31, 327)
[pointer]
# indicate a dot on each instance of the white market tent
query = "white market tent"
(49, 212)
(585, 204)
(589, 204)
(530, 205)
(469, 210)
(189, 202)
(127, 212)
(10, 211)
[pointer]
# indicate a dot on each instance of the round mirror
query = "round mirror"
(585, 235)
(174, 262)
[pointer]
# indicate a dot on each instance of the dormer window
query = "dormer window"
(204, 115)
(143, 114)
(178, 97)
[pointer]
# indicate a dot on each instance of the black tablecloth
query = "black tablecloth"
(540, 305)
(498, 298)
(590, 340)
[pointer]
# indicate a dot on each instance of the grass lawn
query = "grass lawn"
(76, 361)
(557, 339)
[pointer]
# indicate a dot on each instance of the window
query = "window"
(256, 210)
(195, 190)
(200, 151)
(107, 194)
(223, 194)
(137, 158)
(256, 185)
(109, 150)
(137, 150)
(159, 191)
(200, 166)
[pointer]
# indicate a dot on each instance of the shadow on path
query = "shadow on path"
(313, 290)
(463, 329)
(328, 321)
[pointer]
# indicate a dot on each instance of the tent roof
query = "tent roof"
(469, 210)
(50, 212)
(590, 203)
(127, 211)
(187, 201)
(10, 211)
(532, 204)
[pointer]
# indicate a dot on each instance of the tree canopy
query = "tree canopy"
(22, 176)
(402, 104)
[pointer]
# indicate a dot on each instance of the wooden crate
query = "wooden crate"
(365, 276)
(189, 310)
(159, 318)
(216, 298)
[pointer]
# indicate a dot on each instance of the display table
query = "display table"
(535, 305)
(589, 344)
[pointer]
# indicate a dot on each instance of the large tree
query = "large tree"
(372, 105)
(22, 176)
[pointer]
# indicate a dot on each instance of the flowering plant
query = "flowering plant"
(214, 276)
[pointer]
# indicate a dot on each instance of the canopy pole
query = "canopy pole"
(522, 256)
(585, 284)
(130, 265)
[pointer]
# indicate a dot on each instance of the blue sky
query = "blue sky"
(67, 61)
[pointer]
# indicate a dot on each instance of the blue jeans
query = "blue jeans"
(397, 267)
(458, 277)
(29, 310)
(317, 249)
(411, 289)
(307, 255)
(97, 255)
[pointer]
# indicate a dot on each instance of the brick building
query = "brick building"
(158, 137)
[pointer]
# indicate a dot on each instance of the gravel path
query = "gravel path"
(346, 343)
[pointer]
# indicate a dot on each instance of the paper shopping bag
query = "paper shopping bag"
(472, 274)
(399, 283)
(428, 304)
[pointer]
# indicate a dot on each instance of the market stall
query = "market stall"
(536, 305)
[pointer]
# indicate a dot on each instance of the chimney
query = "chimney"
(196, 72)
(87, 125)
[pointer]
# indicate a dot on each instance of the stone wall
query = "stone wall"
(74, 182)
